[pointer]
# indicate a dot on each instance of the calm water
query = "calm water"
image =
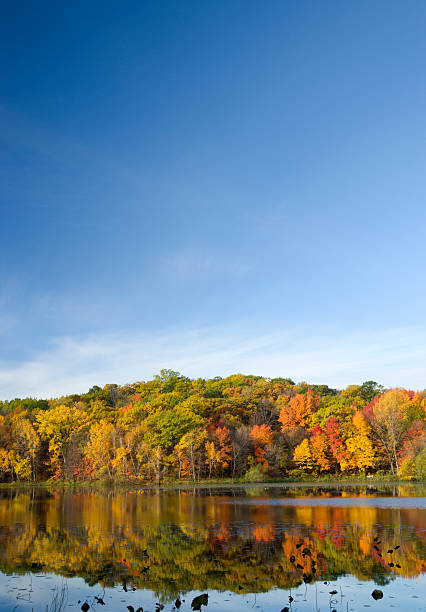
(260, 548)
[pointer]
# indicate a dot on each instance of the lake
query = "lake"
(242, 548)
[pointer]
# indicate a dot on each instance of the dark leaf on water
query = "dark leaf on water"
(131, 608)
(285, 609)
(201, 600)
(377, 594)
(334, 592)
(85, 606)
(290, 598)
(178, 603)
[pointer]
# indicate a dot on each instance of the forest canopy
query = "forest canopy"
(251, 427)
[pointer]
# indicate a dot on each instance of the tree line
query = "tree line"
(251, 427)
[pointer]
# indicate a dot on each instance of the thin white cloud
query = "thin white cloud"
(190, 263)
(393, 358)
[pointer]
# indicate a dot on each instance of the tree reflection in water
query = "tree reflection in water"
(172, 542)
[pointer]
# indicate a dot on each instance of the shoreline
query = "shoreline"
(224, 484)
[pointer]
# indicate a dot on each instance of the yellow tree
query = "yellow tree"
(26, 444)
(100, 448)
(119, 462)
(389, 418)
(5, 449)
(359, 446)
(191, 448)
(134, 443)
(302, 456)
(212, 456)
(12, 461)
(59, 425)
(6, 463)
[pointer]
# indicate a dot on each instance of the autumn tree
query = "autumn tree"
(134, 441)
(414, 440)
(218, 449)
(6, 466)
(360, 452)
(26, 446)
(336, 442)
(319, 448)
(388, 416)
(224, 443)
(191, 448)
(101, 448)
(302, 456)
(212, 456)
(60, 425)
(261, 436)
(164, 429)
(240, 445)
(298, 411)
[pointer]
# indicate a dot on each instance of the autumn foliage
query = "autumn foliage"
(173, 427)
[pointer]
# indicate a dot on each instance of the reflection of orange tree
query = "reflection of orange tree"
(263, 529)
(193, 543)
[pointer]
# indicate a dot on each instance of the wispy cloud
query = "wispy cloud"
(190, 263)
(393, 358)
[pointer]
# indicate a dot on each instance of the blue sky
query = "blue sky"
(212, 187)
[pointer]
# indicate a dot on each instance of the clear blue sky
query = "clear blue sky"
(212, 187)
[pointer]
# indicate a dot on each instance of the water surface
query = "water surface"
(256, 547)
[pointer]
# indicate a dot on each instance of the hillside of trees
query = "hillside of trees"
(241, 426)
